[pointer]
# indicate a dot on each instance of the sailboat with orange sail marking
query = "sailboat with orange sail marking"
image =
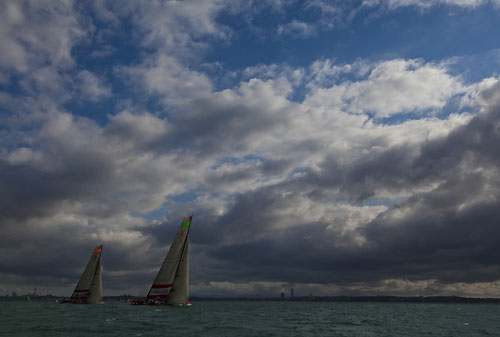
(88, 290)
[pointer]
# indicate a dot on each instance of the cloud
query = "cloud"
(265, 174)
(295, 175)
(35, 34)
(175, 26)
(167, 78)
(137, 129)
(332, 14)
(92, 87)
(316, 16)
(392, 4)
(296, 29)
(433, 234)
(395, 86)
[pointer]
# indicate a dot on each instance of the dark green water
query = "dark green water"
(26, 319)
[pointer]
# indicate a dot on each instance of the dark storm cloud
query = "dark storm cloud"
(29, 192)
(34, 260)
(55, 256)
(208, 127)
(361, 180)
(440, 242)
(428, 244)
(251, 215)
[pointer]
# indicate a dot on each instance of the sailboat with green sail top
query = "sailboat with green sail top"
(171, 284)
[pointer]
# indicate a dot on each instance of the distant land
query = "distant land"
(395, 299)
(419, 299)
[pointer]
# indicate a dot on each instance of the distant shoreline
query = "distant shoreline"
(389, 299)
(394, 299)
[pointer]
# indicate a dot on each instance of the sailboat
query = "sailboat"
(171, 284)
(89, 289)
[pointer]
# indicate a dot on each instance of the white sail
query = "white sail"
(164, 281)
(179, 294)
(95, 294)
(89, 288)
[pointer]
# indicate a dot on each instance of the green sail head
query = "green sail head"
(186, 221)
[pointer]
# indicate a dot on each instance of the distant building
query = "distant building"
(282, 293)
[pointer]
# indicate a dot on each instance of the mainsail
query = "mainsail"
(171, 285)
(89, 288)
(179, 294)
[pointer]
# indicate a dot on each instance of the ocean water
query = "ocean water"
(26, 319)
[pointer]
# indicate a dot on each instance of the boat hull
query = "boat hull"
(155, 303)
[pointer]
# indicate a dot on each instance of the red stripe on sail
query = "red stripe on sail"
(156, 286)
(151, 297)
(81, 291)
(97, 250)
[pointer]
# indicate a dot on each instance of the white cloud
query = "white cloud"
(255, 118)
(24, 155)
(396, 86)
(91, 86)
(325, 73)
(334, 14)
(37, 40)
(429, 3)
(176, 26)
(38, 33)
(297, 29)
(138, 129)
(166, 77)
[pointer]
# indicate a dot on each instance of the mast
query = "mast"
(164, 281)
(87, 290)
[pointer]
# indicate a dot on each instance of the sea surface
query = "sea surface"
(26, 319)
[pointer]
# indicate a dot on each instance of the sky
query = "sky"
(332, 147)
